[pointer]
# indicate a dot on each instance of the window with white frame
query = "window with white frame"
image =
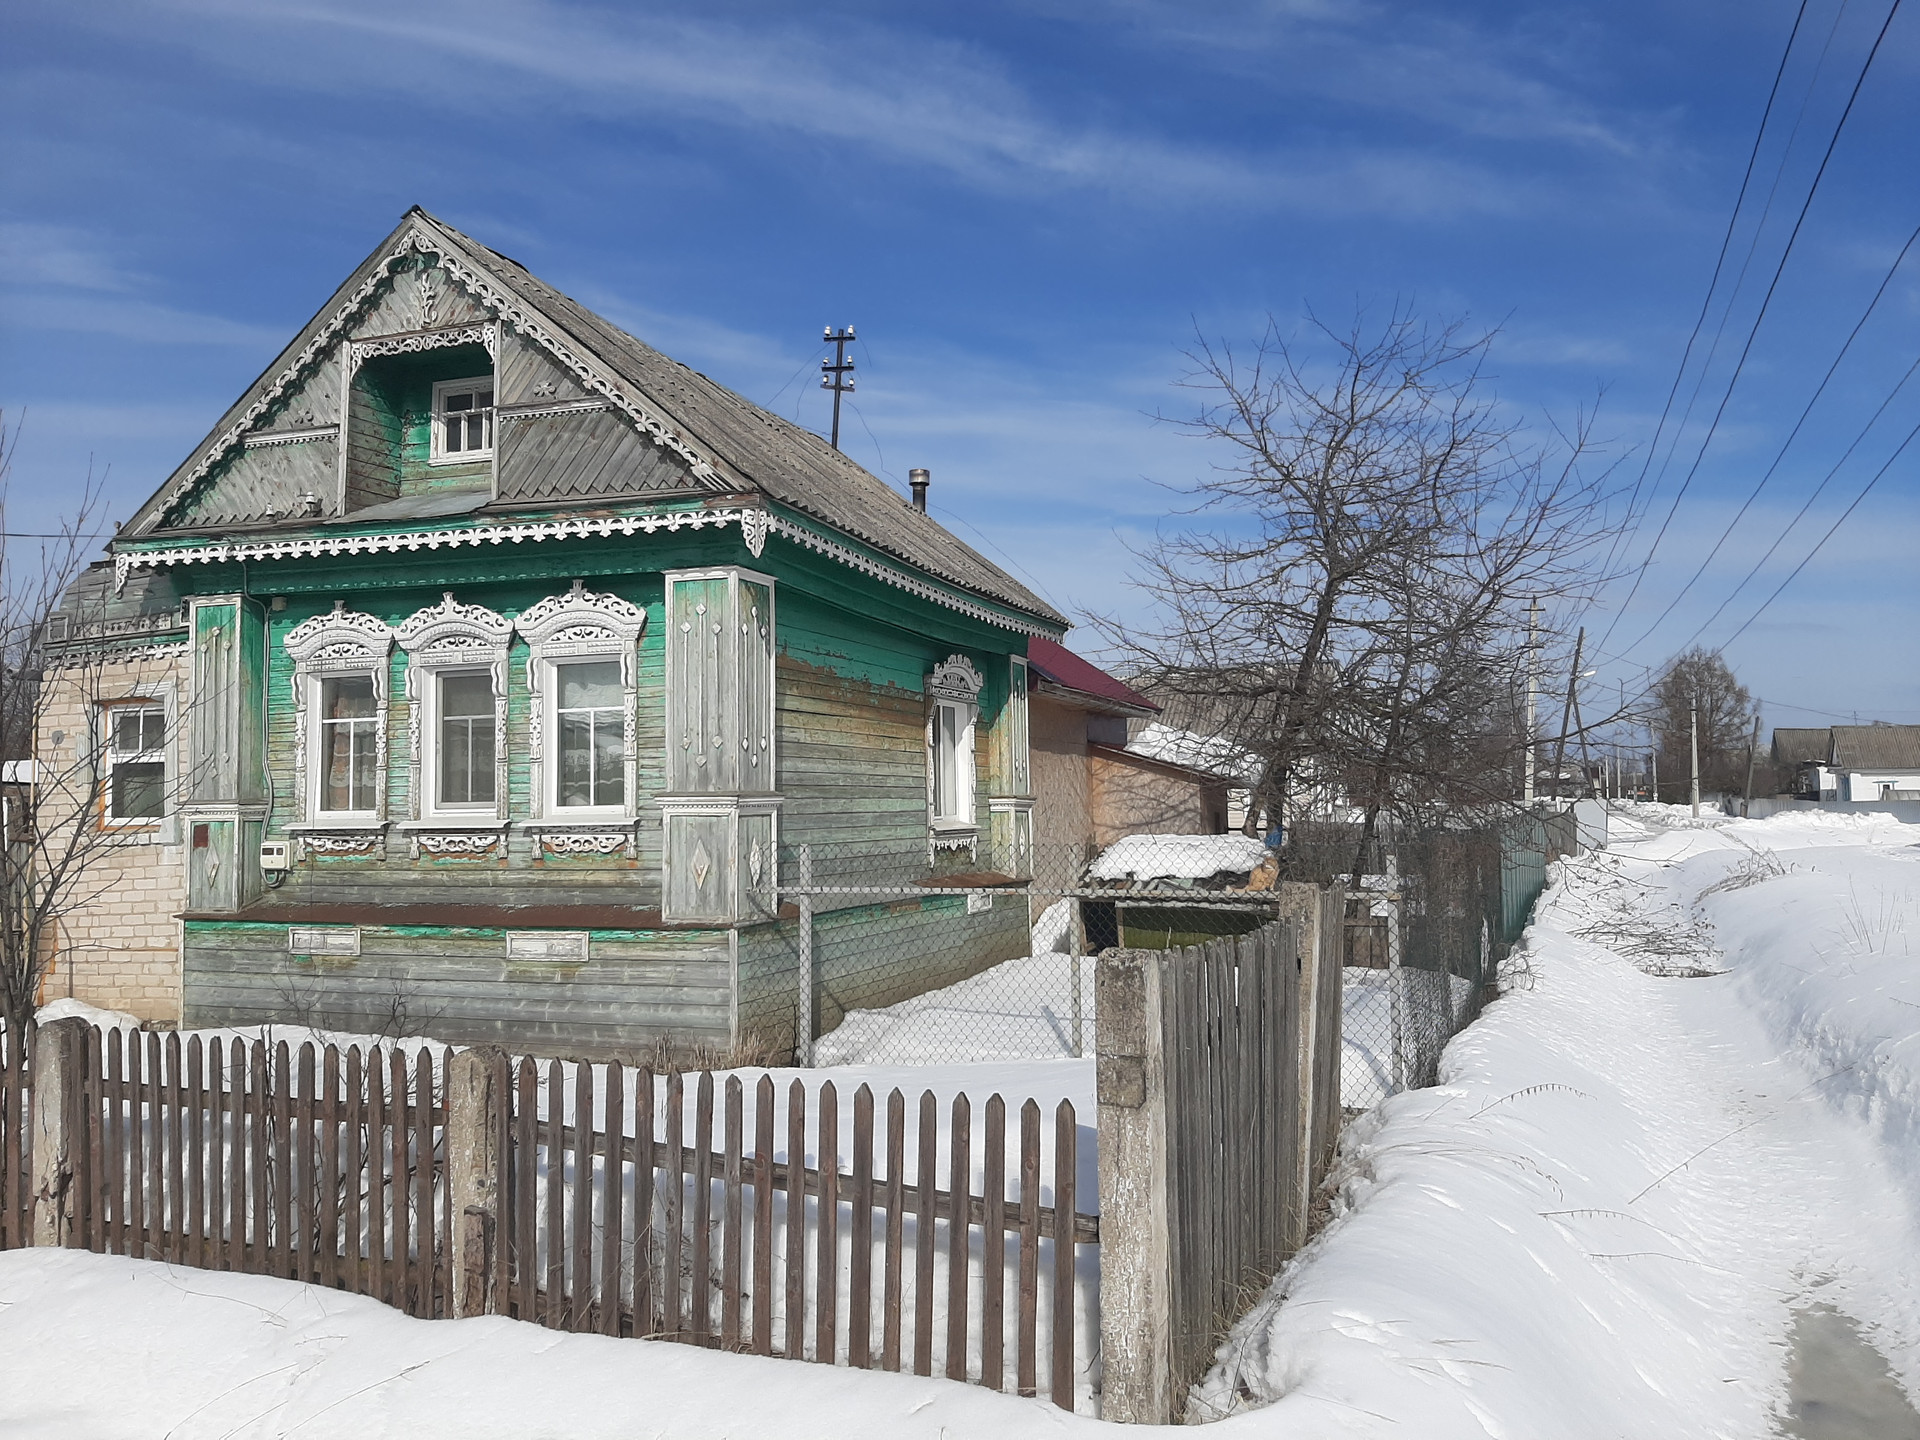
(589, 704)
(464, 740)
(349, 726)
(136, 763)
(581, 676)
(456, 681)
(462, 420)
(953, 692)
(340, 694)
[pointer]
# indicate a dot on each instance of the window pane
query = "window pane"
(576, 760)
(457, 402)
(466, 695)
(590, 685)
(483, 399)
(137, 791)
(348, 698)
(609, 768)
(153, 729)
(466, 740)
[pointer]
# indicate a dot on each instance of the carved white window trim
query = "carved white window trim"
(954, 686)
(338, 644)
(580, 625)
(441, 639)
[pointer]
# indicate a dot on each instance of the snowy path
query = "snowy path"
(1601, 1224)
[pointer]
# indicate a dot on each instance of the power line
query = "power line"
(1864, 492)
(1807, 505)
(1713, 283)
(1787, 444)
(1766, 301)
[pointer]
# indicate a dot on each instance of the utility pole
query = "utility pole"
(1753, 747)
(837, 374)
(1693, 747)
(1533, 613)
(1567, 712)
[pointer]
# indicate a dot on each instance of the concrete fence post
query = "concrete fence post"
(477, 1142)
(1136, 1260)
(59, 1052)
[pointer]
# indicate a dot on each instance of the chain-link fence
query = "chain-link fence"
(933, 956)
(984, 952)
(1424, 937)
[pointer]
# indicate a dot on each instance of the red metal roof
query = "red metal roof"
(1053, 661)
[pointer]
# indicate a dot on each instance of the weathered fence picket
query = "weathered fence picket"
(614, 1206)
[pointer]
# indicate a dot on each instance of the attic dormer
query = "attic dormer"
(420, 418)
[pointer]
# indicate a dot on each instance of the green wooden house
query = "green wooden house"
(520, 661)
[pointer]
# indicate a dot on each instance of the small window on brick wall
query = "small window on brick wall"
(136, 764)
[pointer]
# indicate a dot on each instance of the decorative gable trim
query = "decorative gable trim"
(289, 437)
(419, 341)
(417, 241)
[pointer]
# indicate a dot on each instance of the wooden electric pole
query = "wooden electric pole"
(1753, 747)
(837, 374)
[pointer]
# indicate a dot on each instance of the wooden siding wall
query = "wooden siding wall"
(523, 877)
(460, 987)
(267, 483)
(851, 715)
(373, 441)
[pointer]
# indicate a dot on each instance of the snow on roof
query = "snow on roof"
(1177, 857)
(1212, 753)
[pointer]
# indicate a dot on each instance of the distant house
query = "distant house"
(1850, 762)
(1091, 785)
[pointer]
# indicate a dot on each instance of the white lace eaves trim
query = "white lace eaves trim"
(755, 525)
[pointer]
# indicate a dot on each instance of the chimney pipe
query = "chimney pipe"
(919, 480)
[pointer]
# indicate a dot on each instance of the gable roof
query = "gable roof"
(1081, 681)
(1802, 746)
(731, 445)
(1876, 747)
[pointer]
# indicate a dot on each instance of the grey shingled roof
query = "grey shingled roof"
(1802, 746)
(752, 449)
(1876, 747)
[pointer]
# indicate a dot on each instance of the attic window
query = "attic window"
(462, 420)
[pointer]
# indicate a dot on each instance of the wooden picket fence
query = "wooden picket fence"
(620, 1213)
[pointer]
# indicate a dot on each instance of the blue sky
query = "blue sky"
(1027, 210)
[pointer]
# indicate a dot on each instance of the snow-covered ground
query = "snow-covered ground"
(1696, 1113)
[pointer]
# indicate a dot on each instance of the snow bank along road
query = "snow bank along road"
(1696, 1114)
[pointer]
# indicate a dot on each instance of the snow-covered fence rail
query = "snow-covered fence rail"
(581, 1197)
(1218, 1110)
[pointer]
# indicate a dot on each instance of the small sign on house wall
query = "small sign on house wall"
(566, 945)
(323, 940)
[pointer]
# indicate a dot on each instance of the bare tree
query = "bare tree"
(55, 794)
(1699, 683)
(1348, 602)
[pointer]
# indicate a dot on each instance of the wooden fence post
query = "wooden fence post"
(57, 1058)
(1300, 903)
(476, 1177)
(1135, 1246)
